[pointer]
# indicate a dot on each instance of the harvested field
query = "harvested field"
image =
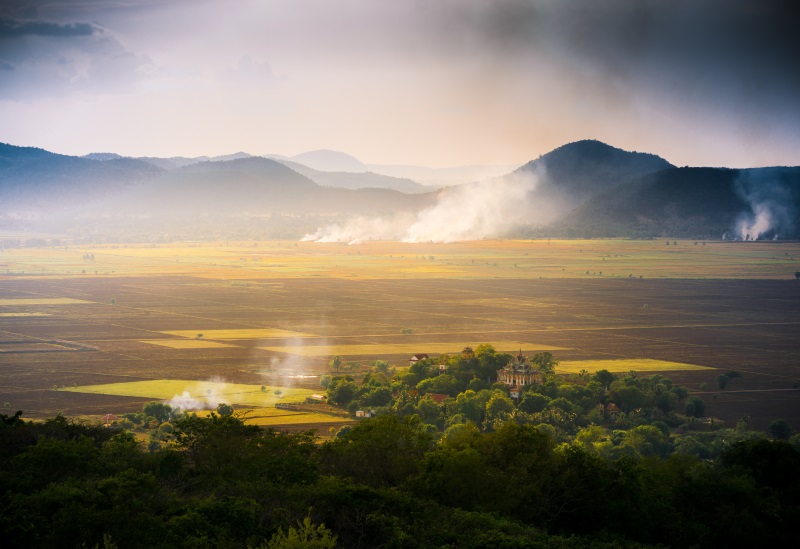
(185, 343)
(641, 365)
(241, 333)
(26, 301)
(725, 306)
(388, 349)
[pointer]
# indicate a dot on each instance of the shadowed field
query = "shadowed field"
(273, 314)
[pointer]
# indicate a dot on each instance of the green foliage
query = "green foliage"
(780, 429)
(533, 402)
(443, 384)
(306, 536)
(478, 470)
(158, 410)
(545, 361)
(224, 410)
(382, 451)
(695, 407)
(384, 482)
(341, 391)
(604, 378)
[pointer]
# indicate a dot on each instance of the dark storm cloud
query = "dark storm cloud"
(48, 59)
(16, 29)
(716, 43)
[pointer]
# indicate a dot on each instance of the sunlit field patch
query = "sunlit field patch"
(185, 343)
(268, 417)
(23, 314)
(625, 365)
(40, 301)
(484, 259)
(209, 392)
(383, 349)
(239, 333)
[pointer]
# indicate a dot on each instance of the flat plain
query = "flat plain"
(273, 313)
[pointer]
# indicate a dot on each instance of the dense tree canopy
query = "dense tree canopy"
(574, 461)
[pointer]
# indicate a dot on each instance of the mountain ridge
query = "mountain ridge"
(584, 188)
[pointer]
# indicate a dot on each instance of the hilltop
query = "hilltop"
(582, 189)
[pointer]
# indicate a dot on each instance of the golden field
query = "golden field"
(273, 314)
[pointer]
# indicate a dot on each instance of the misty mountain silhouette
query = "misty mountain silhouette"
(586, 188)
(572, 174)
(584, 168)
(330, 161)
(360, 180)
(35, 181)
(54, 192)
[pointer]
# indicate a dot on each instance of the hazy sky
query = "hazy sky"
(430, 82)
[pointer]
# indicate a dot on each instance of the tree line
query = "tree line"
(558, 466)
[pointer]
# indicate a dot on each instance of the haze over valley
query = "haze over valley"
(582, 189)
(420, 273)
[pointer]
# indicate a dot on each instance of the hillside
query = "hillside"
(568, 176)
(37, 182)
(358, 180)
(330, 161)
(697, 203)
(583, 189)
(40, 190)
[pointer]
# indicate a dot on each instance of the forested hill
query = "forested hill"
(43, 191)
(590, 189)
(34, 181)
(584, 169)
(694, 203)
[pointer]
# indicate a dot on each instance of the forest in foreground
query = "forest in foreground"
(448, 460)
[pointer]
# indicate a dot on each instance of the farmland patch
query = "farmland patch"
(625, 365)
(40, 301)
(383, 349)
(185, 343)
(205, 393)
(239, 333)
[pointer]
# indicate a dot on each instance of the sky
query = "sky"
(426, 82)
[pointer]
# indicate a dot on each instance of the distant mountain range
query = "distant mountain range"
(583, 189)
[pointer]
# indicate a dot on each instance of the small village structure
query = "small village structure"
(519, 373)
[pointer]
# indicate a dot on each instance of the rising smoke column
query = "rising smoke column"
(484, 209)
(771, 204)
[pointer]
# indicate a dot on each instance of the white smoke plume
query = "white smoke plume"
(771, 209)
(361, 229)
(751, 227)
(205, 396)
(484, 209)
(288, 369)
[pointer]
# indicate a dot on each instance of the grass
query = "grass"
(208, 392)
(383, 349)
(40, 301)
(485, 259)
(625, 365)
(240, 333)
(23, 314)
(184, 343)
(269, 417)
